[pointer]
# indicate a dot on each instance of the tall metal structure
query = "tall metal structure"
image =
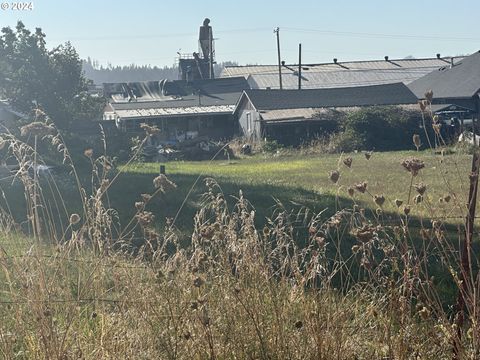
(199, 65)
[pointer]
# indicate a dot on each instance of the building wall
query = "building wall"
(178, 128)
(249, 121)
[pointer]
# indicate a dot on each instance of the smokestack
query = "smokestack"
(451, 62)
(438, 56)
(335, 60)
(386, 58)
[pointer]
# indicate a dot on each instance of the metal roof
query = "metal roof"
(171, 112)
(340, 74)
(388, 94)
(174, 98)
(460, 81)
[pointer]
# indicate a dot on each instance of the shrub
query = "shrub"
(271, 146)
(380, 128)
(346, 141)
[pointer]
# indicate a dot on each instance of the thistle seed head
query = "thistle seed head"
(334, 176)
(351, 191)
(361, 187)
(421, 188)
(348, 162)
(379, 199)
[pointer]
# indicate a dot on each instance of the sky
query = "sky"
(151, 32)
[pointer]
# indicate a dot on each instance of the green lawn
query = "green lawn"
(305, 180)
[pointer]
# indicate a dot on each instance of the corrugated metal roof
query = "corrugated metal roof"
(174, 98)
(459, 81)
(389, 94)
(342, 74)
(178, 111)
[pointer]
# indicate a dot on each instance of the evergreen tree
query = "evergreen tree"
(31, 76)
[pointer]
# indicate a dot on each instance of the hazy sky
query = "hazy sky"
(152, 31)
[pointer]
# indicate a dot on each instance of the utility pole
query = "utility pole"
(299, 66)
(277, 31)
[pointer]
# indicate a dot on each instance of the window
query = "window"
(249, 122)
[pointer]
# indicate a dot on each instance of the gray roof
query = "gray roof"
(389, 94)
(460, 81)
(175, 94)
(341, 74)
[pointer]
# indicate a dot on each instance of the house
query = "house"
(293, 116)
(180, 109)
(8, 116)
(339, 74)
(456, 89)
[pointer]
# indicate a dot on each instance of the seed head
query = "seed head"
(334, 176)
(361, 187)
(418, 199)
(139, 205)
(364, 234)
(429, 95)
(146, 197)
(162, 183)
(37, 129)
(368, 155)
(423, 105)
(88, 153)
(74, 219)
(447, 198)
(351, 191)
(398, 202)
(379, 199)
(413, 165)
(298, 324)
(348, 162)
(149, 130)
(421, 188)
(436, 128)
(406, 209)
(320, 241)
(416, 141)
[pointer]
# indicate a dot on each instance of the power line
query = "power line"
(383, 35)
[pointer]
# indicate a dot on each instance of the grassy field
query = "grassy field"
(358, 284)
(304, 180)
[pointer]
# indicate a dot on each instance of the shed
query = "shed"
(180, 109)
(293, 116)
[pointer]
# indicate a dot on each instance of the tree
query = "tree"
(31, 76)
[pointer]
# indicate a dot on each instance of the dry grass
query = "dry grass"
(357, 286)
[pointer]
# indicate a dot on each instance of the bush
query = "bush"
(346, 141)
(380, 128)
(271, 146)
